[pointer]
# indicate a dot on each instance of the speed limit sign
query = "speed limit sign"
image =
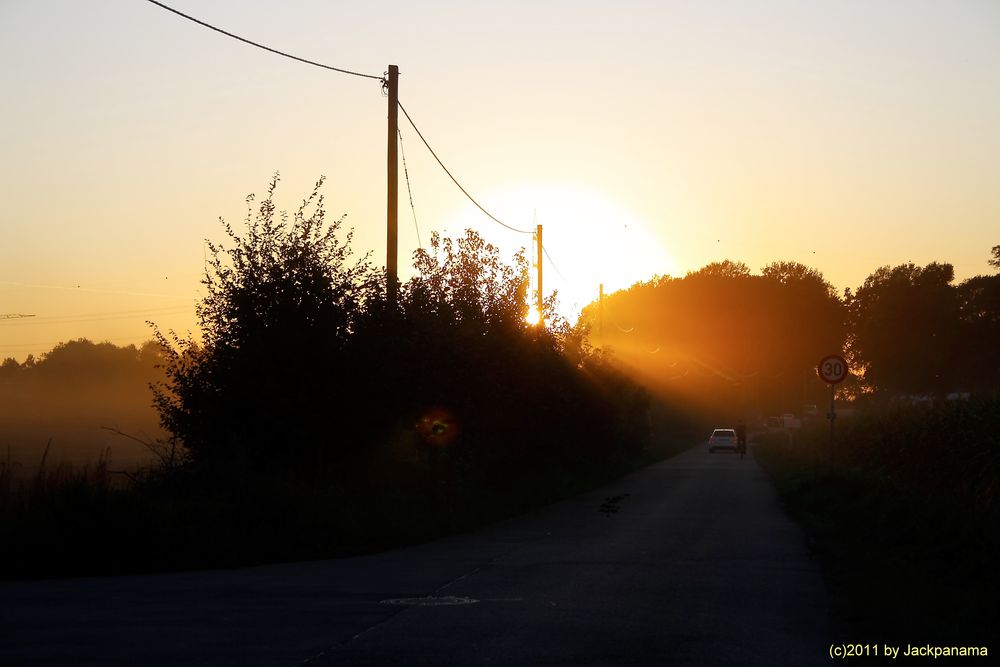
(832, 369)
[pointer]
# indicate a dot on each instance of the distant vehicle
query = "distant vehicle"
(810, 410)
(774, 422)
(722, 438)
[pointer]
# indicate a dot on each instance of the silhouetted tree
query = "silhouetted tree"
(462, 345)
(978, 368)
(9, 367)
(281, 298)
(724, 269)
(810, 322)
(730, 340)
(905, 321)
(84, 363)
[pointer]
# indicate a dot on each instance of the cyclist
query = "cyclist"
(741, 438)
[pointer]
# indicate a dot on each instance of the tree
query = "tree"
(724, 269)
(466, 283)
(280, 301)
(810, 321)
(733, 340)
(9, 367)
(794, 273)
(460, 344)
(994, 261)
(905, 324)
(979, 353)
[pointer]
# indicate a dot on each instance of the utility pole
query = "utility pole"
(538, 234)
(600, 312)
(392, 227)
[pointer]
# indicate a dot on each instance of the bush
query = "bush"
(265, 385)
(305, 365)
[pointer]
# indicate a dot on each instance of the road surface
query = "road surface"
(687, 562)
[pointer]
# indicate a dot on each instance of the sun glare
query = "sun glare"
(590, 239)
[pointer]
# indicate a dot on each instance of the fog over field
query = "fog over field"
(71, 398)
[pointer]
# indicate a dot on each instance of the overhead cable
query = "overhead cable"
(552, 262)
(261, 46)
(455, 181)
(406, 173)
(97, 317)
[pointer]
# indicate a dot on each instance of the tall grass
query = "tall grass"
(49, 481)
(69, 520)
(904, 518)
(951, 449)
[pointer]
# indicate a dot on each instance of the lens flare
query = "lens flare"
(437, 427)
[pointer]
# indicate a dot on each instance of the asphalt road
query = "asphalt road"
(688, 562)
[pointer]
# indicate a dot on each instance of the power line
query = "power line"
(346, 71)
(381, 79)
(98, 317)
(552, 262)
(261, 46)
(454, 180)
(406, 173)
(78, 288)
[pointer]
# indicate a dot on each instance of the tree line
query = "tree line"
(723, 337)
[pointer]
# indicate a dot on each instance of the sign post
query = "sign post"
(832, 369)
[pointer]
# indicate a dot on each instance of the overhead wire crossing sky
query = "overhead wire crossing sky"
(262, 46)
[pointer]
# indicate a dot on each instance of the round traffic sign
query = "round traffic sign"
(832, 368)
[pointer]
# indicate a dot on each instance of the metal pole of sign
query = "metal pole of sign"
(833, 418)
(833, 369)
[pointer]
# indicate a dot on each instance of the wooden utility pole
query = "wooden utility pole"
(392, 226)
(538, 234)
(600, 311)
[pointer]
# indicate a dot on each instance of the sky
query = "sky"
(648, 138)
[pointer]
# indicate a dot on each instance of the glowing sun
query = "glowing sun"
(589, 237)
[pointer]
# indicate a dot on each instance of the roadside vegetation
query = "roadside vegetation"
(904, 517)
(311, 418)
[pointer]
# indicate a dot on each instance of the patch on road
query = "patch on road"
(612, 504)
(431, 601)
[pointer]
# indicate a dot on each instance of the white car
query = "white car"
(722, 438)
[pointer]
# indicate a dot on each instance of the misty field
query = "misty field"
(71, 402)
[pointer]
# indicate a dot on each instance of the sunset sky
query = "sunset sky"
(647, 137)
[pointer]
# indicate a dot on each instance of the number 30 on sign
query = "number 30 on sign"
(832, 369)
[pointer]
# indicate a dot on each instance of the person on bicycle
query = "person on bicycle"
(741, 438)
